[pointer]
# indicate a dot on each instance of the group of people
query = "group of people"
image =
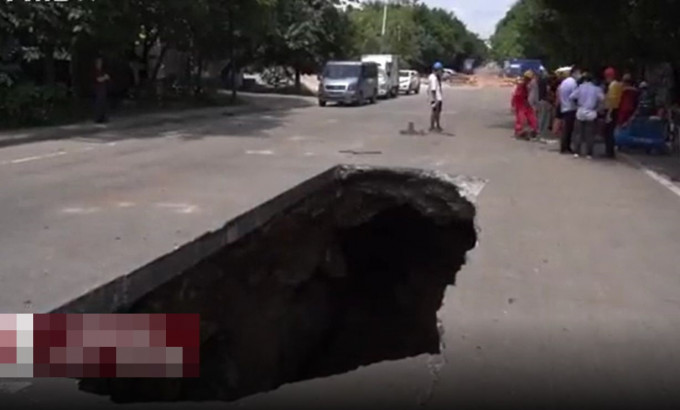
(576, 109)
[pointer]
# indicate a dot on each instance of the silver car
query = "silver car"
(348, 82)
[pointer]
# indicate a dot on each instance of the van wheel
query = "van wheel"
(322, 103)
(374, 98)
(418, 90)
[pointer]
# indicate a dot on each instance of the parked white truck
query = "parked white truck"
(388, 79)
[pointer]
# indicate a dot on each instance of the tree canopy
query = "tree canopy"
(49, 44)
(418, 33)
(590, 33)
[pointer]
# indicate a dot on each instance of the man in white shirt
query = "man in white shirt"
(436, 96)
(568, 108)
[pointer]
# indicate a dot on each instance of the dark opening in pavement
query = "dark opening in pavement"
(349, 270)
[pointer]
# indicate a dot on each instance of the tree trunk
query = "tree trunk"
(76, 88)
(298, 82)
(199, 75)
(159, 63)
(49, 65)
(232, 61)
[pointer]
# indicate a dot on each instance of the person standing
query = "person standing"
(629, 99)
(521, 105)
(101, 88)
(534, 99)
(544, 108)
(612, 104)
(436, 96)
(589, 97)
(568, 109)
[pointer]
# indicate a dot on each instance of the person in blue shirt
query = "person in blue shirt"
(589, 99)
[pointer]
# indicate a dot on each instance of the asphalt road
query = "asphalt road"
(571, 299)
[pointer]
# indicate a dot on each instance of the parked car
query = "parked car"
(448, 73)
(350, 82)
(409, 81)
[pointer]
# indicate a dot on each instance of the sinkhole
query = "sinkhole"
(345, 270)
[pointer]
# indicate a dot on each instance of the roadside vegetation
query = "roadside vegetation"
(47, 50)
(629, 34)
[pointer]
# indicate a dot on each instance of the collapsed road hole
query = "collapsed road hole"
(345, 270)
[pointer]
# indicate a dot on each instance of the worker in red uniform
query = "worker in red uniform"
(524, 113)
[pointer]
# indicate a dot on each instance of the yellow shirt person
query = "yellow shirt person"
(614, 93)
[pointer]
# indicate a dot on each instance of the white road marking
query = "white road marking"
(180, 208)
(309, 154)
(80, 211)
(262, 152)
(126, 204)
(34, 158)
(661, 179)
(44, 156)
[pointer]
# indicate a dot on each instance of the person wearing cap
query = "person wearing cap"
(436, 96)
(524, 113)
(612, 104)
(588, 98)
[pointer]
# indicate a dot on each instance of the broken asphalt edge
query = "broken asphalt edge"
(117, 295)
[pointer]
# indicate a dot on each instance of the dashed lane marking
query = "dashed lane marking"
(45, 156)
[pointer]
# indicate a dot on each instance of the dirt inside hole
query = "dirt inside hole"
(347, 278)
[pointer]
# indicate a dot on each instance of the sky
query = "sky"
(480, 16)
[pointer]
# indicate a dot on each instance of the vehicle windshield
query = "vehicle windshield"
(337, 71)
(404, 73)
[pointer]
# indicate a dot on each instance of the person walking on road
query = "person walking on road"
(521, 105)
(568, 109)
(436, 96)
(612, 104)
(589, 97)
(101, 87)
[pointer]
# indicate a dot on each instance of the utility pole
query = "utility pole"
(384, 27)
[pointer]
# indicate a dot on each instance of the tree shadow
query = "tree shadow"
(257, 114)
(246, 125)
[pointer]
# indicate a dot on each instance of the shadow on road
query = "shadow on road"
(258, 113)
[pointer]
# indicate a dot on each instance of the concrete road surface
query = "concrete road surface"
(571, 299)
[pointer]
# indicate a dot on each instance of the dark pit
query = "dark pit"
(346, 270)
